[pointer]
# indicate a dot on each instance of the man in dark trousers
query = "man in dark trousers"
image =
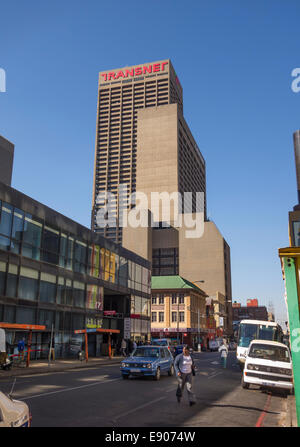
(185, 370)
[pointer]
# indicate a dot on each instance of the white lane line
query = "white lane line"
(139, 408)
(69, 389)
(214, 375)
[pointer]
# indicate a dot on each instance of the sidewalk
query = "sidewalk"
(291, 415)
(42, 366)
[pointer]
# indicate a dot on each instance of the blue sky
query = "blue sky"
(234, 60)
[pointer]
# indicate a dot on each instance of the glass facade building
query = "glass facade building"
(55, 272)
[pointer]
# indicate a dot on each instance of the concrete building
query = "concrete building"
(143, 141)
(178, 310)
(249, 312)
(205, 259)
(140, 112)
(294, 216)
(6, 160)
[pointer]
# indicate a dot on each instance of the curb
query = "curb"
(53, 368)
(291, 415)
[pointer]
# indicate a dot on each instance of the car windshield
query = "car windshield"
(249, 332)
(268, 352)
(146, 352)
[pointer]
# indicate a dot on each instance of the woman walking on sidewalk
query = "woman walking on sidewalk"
(185, 369)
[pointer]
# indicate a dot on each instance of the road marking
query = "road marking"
(212, 376)
(69, 389)
(139, 408)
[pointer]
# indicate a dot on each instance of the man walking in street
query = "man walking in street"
(224, 352)
(123, 347)
(185, 369)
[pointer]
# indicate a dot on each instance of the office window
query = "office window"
(18, 225)
(174, 298)
(32, 238)
(69, 293)
(6, 219)
(28, 284)
(174, 317)
(47, 288)
(161, 299)
(153, 317)
(181, 316)
(11, 286)
(80, 256)
(2, 277)
(154, 299)
(181, 298)
(79, 294)
(161, 317)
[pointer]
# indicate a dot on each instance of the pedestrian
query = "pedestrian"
(134, 346)
(224, 353)
(123, 347)
(185, 370)
(21, 347)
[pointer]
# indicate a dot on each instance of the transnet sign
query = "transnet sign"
(132, 72)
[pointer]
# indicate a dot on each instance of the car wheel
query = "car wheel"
(171, 371)
(125, 376)
(245, 385)
(157, 374)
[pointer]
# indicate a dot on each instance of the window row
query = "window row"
(23, 234)
(159, 317)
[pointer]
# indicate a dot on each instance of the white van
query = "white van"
(268, 364)
(214, 345)
(13, 413)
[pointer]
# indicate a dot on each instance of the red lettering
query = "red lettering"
(163, 65)
(156, 67)
(138, 71)
(129, 72)
(105, 76)
(120, 74)
(147, 69)
(111, 75)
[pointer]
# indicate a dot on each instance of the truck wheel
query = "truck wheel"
(245, 385)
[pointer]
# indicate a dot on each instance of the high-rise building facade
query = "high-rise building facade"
(126, 136)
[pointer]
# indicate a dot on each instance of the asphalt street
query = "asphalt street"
(99, 397)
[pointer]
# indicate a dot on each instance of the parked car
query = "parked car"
(214, 345)
(148, 361)
(179, 348)
(268, 364)
(162, 342)
(13, 413)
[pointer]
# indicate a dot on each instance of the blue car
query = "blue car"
(179, 349)
(148, 361)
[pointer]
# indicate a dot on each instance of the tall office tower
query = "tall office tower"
(6, 160)
(126, 138)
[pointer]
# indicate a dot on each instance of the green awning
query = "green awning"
(172, 282)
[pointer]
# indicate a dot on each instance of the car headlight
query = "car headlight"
(149, 365)
(123, 365)
(250, 366)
